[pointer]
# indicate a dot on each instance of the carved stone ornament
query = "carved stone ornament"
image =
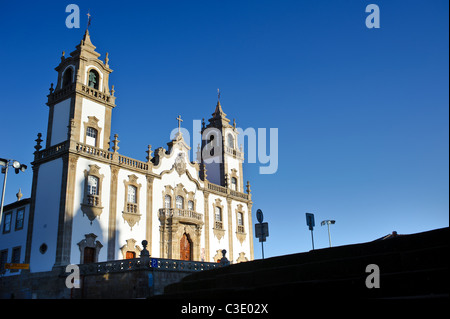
(92, 212)
(180, 164)
(131, 218)
(219, 233)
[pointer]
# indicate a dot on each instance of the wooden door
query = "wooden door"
(130, 255)
(89, 255)
(185, 248)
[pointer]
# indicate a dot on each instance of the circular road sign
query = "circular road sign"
(259, 215)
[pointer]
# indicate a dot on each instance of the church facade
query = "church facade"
(89, 203)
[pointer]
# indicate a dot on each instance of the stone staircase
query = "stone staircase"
(411, 266)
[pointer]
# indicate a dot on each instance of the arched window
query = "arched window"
(234, 183)
(190, 205)
(67, 78)
(167, 201)
(91, 136)
(211, 144)
(93, 79)
(179, 202)
(230, 140)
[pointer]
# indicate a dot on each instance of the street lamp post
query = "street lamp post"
(328, 222)
(5, 163)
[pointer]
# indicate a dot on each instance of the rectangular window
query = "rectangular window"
(218, 214)
(15, 257)
(91, 136)
(3, 259)
(7, 223)
(131, 194)
(240, 220)
(92, 185)
(20, 215)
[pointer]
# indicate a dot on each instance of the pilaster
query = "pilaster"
(112, 213)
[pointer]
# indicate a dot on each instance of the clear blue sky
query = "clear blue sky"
(362, 114)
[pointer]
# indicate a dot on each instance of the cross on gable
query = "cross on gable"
(179, 122)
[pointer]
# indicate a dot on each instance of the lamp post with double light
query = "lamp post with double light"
(5, 164)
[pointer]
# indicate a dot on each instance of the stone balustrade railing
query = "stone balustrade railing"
(179, 212)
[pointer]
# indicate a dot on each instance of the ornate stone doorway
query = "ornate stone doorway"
(180, 233)
(185, 248)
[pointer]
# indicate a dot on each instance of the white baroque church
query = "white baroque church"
(89, 203)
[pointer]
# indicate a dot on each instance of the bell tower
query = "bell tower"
(221, 156)
(80, 108)
(81, 94)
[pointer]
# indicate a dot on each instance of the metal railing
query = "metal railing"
(149, 263)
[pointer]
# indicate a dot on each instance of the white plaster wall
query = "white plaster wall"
(237, 246)
(123, 229)
(90, 108)
(61, 112)
(81, 224)
(214, 243)
(46, 215)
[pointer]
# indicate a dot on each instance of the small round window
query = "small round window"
(43, 248)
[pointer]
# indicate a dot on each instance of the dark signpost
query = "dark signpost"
(310, 223)
(261, 229)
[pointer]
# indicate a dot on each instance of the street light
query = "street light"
(328, 222)
(5, 163)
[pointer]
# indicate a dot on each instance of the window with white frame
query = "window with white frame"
(91, 136)
(7, 222)
(92, 185)
(20, 218)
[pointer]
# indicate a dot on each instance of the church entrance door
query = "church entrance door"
(185, 248)
(130, 255)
